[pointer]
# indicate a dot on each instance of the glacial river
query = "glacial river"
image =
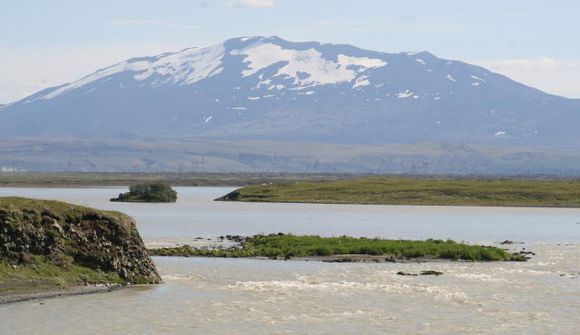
(228, 296)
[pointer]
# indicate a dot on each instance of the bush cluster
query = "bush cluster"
(148, 192)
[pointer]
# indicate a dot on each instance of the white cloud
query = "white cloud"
(519, 16)
(151, 23)
(134, 22)
(556, 76)
(251, 3)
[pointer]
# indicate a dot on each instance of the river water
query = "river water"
(242, 296)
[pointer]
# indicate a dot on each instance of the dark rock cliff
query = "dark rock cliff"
(67, 234)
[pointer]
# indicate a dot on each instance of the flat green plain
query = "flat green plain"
(417, 191)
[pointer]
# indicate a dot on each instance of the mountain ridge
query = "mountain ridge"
(254, 76)
(269, 89)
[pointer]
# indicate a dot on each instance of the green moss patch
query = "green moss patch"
(291, 246)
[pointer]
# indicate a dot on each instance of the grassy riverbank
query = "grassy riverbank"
(292, 246)
(40, 274)
(414, 191)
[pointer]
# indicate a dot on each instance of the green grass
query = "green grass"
(40, 274)
(286, 246)
(58, 208)
(415, 191)
(88, 179)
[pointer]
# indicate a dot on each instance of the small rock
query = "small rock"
(422, 273)
(431, 273)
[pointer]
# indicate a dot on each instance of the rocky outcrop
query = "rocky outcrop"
(72, 235)
(232, 196)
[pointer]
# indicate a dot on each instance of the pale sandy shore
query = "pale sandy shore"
(6, 298)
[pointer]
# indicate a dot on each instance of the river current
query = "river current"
(243, 296)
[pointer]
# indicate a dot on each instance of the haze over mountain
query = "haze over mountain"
(270, 89)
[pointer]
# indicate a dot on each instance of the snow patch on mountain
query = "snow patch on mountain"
(183, 68)
(361, 81)
(305, 67)
(362, 63)
(405, 94)
(186, 67)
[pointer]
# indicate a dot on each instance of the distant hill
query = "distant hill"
(268, 89)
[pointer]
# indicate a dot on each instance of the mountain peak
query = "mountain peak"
(262, 87)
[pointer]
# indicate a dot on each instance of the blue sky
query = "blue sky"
(46, 43)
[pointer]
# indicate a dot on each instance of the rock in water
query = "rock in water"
(422, 273)
(67, 235)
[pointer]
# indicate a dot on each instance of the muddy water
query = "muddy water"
(221, 296)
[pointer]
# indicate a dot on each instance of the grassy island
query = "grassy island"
(148, 192)
(414, 191)
(344, 249)
(52, 245)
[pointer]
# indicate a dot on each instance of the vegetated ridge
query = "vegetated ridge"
(414, 191)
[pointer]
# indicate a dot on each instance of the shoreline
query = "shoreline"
(9, 298)
(114, 186)
(347, 258)
(397, 204)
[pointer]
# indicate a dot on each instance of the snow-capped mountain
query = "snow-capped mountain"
(267, 88)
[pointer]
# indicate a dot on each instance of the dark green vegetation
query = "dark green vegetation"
(289, 246)
(413, 191)
(148, 192)
(82, 179)
(47, 245)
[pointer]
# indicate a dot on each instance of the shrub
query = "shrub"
(149, 192)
